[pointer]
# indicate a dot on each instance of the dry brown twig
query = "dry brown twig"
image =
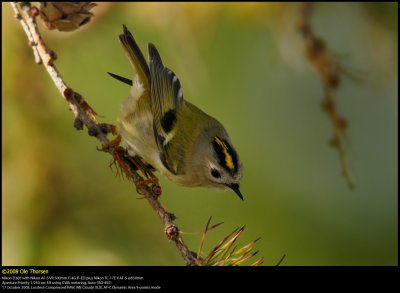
(329, 71)
(85, 115)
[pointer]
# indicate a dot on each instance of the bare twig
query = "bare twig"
(85, 115)
(28, 33)
(329, 71)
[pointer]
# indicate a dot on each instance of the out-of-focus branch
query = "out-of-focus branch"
(329, 71)
(85, 115)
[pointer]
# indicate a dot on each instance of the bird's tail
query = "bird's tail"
(135, 57)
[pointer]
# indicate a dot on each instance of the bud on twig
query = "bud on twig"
(172, 232)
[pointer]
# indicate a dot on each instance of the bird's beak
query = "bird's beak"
(235, 188)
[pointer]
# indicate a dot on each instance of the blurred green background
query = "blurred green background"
(243, 64)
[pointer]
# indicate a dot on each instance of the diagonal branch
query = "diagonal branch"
(85, 115)
(27, 31)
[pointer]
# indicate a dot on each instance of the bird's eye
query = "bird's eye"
(215, 173)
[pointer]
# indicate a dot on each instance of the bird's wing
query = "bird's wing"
(166, 101)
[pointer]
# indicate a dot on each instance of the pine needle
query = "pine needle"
(213, 252)
(229, 244)
(204, 237)
(258, 262)
(247, 246)
(280, 261)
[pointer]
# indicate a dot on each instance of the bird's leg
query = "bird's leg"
(118, 154)
(112, 144)
(122, 157)
(151, 178)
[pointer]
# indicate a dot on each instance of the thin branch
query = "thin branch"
(28, 33)
(329, 71)
(85, 115)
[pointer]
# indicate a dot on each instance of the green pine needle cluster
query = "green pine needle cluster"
(226, 253)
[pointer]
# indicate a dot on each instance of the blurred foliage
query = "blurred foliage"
(243, 63)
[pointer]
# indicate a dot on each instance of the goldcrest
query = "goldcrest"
(175, 137)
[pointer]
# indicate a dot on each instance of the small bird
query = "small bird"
(175, 137)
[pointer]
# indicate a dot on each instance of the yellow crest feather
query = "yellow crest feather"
(228, 157)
